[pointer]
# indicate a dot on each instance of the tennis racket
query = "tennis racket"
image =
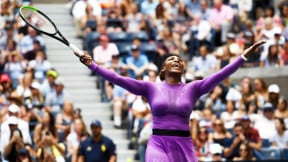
(42, 23)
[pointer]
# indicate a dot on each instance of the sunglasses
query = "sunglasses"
(243, 150)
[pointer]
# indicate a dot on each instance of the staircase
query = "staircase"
(78, 82)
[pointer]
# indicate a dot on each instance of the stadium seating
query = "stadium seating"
(266, 143)
(284, 154)
(150, 50)
(270, 153)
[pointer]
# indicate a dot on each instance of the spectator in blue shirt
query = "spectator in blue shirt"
(136, 62)
(97, 148)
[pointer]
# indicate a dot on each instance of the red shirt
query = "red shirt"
(252, 135)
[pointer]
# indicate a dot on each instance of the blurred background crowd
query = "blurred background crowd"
(242, 121)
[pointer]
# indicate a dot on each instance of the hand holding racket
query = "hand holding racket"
(42, 23)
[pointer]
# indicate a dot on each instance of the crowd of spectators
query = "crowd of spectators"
(38, 119)
(235, 121)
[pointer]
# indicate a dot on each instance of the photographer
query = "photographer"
(15, 142)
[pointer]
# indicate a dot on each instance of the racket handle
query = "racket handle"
(76, 50)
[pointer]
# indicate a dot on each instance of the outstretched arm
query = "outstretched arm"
(134, 86)
(211, 81)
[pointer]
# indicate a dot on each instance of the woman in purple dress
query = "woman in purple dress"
(171, 104)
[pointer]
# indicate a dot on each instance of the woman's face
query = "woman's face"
(218, 125)
(174, 64)
(46, 118)
(282, 104)
(243, 151)
(274, 50)
(78, 126)
(229, 106)
(257, 84)
(278, 125)
(203, 134)
(68, 107)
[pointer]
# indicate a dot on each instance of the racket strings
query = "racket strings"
(38, 21)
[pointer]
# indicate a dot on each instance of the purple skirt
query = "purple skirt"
(170, 149)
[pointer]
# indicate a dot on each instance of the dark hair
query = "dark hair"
(163, 59)
(249, 151)
(282, 122)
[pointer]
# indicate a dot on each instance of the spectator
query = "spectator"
(202, 143)
(97, 147)
(251, 134)
(284, 52)
(280, 137)
(78, 12)
(282, 111)
(64, 120)
(89, 20)
(273, 94)
(194, 6)
(26, 43)
(221, 17)
(245, 153)
(9, 51)
(247, 95)
(231, 148)
(103, 53)
(15, 67)
(265, 123)
(54, 100)
(74, 138)
(24, 155)
(137, 62)
(37, 99)
(125, 7)
(6, 86)
(6, 133)
(48, 84)
(40, 65)
(31, 54)
(205, 10)
(216, 153)
(220, 133)
(166, 44)
(230, 115)
(148, 8)
(141, 113)
(273, 58)
(114, 22)
(14, 141)
(24, 84)
(133, 19)
(260, 91)
(9, 35)
(206, 62)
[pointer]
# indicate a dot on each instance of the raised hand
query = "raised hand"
(86, 59)
(252, 48)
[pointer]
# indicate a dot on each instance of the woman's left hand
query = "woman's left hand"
(252, 48)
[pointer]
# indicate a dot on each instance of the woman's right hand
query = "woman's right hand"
(86, 59)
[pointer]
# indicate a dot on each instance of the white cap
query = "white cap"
(216, 148)
(274, 88)
(12, 120)
(13, 108)
(35, 85)
(59, 81)
(152, 67)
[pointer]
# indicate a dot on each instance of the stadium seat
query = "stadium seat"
(124, 49)
(91, 40)
(266, 143)
(270, 153)
(140, 35)
(118, 37)
(284, 154)
(150, 50)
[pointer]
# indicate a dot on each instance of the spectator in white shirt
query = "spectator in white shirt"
(280, 137)
(265, 123)
(206, 62)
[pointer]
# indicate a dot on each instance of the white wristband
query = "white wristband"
(244, 58)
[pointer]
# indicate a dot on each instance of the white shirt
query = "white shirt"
(280, 141)
(5, 133)
(78, 10)
(204, 65)
(265, 127)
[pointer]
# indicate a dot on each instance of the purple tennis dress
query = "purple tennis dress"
(171, 106)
